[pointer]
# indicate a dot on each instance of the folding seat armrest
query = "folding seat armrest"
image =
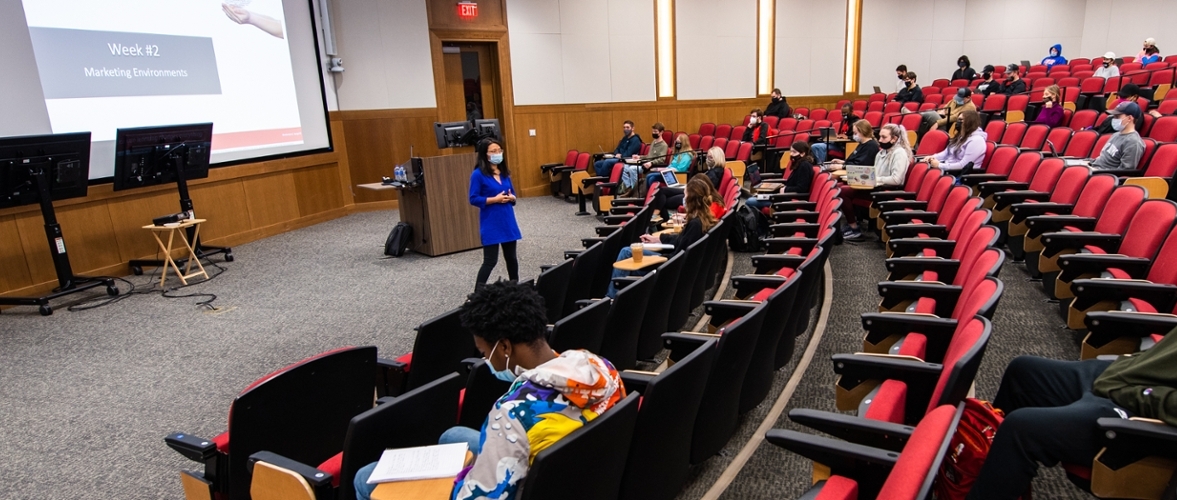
(794, 205)
(777, 197)
(391, 377)
(1127, 441)
(857, 430)
(583, 303)
(606, 230)
(629, 202)
(860, 462)
(748, 285)
(1083, 263)
(791, 229)
(887, 206)
(1025, 210)
(625, 281)
(915, 230)
(780, 245)
(911, 246)
(1128, 324)
(907, 216)
(616, 220)
(895, 292)
(683, 343)
(988, 189)
(589, 181)
(884, 325)
(320, 481)
(771, 175)
(906, 266)
(1135, 172)
(723, 311)
(549, 166)
(1042, 224)
(858, 368)
(1006, 198)
(588, 242)
(1090, 291)
(797, 215)
(636, 380)
(192, 447)
(976, 179)
(562, 169)
(1057, 242)
(571, 254)
(881, 196)
(770, 263)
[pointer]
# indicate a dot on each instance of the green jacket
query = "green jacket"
(1144, 383)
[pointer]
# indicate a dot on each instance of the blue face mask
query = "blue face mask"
(505, 375)
(1117, 124)
(959, 101)
(496, 158)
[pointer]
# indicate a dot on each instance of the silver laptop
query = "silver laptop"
(669, 178)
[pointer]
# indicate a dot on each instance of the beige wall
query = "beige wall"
(1146, 18)
(810, 47)
(385, 48)
(716, 48)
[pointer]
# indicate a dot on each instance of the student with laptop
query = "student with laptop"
(867, 150)
(1124, 149)
(800, 175)
(843, 131)
(682, 160)
(890, 170)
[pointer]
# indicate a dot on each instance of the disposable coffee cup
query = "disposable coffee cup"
(636, 248)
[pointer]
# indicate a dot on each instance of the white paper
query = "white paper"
(425, 462)
(657, 246)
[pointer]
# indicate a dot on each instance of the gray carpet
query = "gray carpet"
(87, 397)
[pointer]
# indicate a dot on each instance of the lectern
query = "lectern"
(439, 207)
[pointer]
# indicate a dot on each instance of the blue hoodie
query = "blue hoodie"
(1052, 60)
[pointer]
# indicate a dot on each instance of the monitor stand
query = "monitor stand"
(201, 251)
(68, 282)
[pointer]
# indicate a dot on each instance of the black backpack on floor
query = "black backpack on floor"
(398, 240)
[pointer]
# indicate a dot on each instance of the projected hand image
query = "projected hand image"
(241, 15)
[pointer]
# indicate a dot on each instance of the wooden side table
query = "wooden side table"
(172, 230)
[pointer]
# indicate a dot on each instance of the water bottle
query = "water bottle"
(399, 174)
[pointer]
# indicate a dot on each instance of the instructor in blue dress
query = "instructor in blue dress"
(491, 191)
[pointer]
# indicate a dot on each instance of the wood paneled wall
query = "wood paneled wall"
(242, 203)
(596, 127)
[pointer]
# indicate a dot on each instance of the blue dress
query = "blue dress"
(496, 222)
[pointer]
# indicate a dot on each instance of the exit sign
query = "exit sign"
(467, 10)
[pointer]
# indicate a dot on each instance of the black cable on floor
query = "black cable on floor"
(151, 287)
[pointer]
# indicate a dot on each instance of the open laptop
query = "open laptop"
(669, 178)
(1026, 64)
(878, 90)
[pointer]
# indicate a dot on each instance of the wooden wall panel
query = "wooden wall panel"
(317, 189)
(14, 269)
(224, 205)
(270, 199)
(528, 152)
(589, 131)
(378, 140)
(690, 118)
(130, 214)
(89, 236)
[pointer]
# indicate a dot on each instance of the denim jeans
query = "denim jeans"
(756, 204)
(820, 151)
(627, 253)
(605, 167)
(456, 434)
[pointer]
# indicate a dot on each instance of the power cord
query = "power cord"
(151, 287)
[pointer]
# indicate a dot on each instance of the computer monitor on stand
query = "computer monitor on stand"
(452, 134)
(41, 169)
(149, 156)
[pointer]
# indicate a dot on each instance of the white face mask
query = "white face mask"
(1117, 124)
(857, 138)
(753, 120)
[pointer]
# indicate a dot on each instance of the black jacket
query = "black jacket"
(847, 125)
(801, 178)
(779, 109)
(691, 233)
(992, 87)
(763, 134)
(964, 74)
(1018, 87)
(864, 154)
(911, 94)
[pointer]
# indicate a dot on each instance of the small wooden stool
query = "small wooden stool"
(172, 230)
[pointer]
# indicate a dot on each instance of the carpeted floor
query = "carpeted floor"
(86, 397)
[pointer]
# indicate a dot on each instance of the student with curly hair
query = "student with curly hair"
(552, 395)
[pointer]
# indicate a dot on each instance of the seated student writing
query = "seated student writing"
(800, 175)
(702, 203)
(967, 146)
(552, 395)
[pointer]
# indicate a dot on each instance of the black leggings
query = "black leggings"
(667, 198)
(490, 258)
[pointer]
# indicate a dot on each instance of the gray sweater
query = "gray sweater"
(1122, 152)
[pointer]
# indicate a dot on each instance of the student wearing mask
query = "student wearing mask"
(657, 157)
(1108, 69)
(668, 198)
(968, 146)
(964, 69)
(988, 85)
(700, 204)
(947, 115)
(868, 147)
(1013, 83)
(890, 170)
(911, 91)
(1128, 93)
(1052, 108)
(845, 130)
(1124, 149)
(629, 145)
(800, 171)
(1151, 55)
(680, 163)
(900, 72)
(1148, 42)
(1055, 57)
(551, 395)
(494, 195)
(778, 106)
(757, 134)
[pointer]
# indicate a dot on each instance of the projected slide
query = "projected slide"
(106, 64)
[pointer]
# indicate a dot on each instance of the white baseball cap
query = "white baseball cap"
(1150, 41)
(1109, 55)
